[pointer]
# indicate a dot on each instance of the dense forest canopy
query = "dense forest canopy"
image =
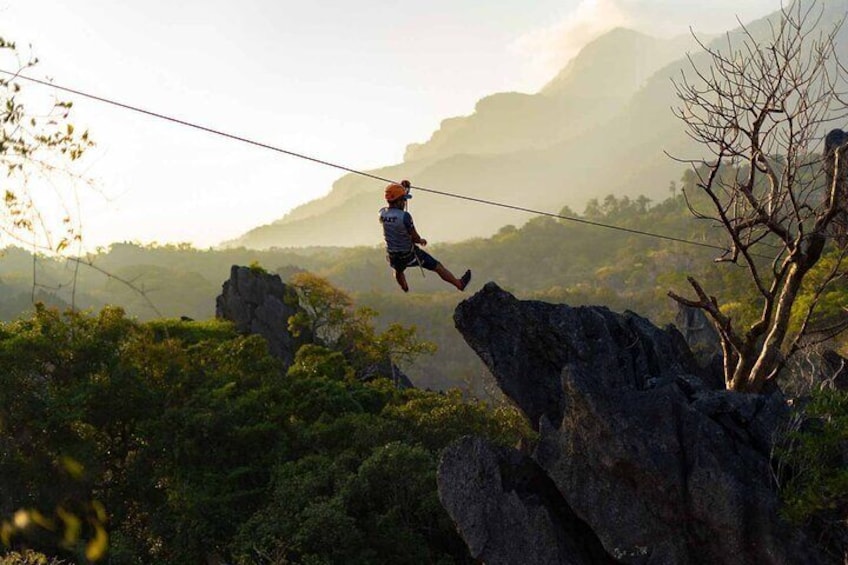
(185, 442)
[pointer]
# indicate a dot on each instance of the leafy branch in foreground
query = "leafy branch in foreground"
(38, 145)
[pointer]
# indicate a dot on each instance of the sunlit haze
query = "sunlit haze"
(348, 82)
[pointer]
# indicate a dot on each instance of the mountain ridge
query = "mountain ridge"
(452, 157)
(558, 147)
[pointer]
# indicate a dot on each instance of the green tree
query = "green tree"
(360, 486)
(174, 431)
(812, 468)
(327, 310)
(180, 442)
(328, 313)
(814, 458)
(394, 500)
(52, 453)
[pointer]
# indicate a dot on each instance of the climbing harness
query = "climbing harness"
(405, 184)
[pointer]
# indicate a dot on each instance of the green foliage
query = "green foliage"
(437, 419)
(178, 441)
(328, 315)
(326, 309)
(128, 412)
(365, 492)
(393, 496)
(829, 304)
(815, 456)
(313, 361)
(192, 332)
(257, 269)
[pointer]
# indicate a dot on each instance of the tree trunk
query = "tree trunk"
(770, 356)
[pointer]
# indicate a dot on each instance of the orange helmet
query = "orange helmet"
(396, 192)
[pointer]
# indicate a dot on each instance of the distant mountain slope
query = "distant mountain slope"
(615, 65)
(602, 126)
(503, 148)
(590, 89)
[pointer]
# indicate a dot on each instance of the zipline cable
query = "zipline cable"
(572, 219)
(188, 124)
(239, 138)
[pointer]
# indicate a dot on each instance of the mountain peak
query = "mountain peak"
(619, 60)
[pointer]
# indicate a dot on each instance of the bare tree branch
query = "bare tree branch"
(758, 104)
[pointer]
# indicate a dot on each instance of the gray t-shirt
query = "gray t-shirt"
(397, 225)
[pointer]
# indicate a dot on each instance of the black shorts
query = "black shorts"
(404, 259)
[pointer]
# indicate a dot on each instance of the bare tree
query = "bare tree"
(760, 109)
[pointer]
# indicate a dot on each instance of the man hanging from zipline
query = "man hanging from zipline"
(402, 240)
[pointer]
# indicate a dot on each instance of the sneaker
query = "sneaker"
(466, 278)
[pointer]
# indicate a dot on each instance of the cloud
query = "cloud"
(661, 17)
(550, 48)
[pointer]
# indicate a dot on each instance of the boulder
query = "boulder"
(660, 467)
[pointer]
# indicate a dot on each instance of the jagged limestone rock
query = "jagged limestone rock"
(256, 302)
(661, 469)
(493, 490)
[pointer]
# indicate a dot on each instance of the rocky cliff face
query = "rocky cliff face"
(256, 303)
(638, 461)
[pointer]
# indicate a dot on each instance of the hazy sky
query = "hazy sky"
(350, 82)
